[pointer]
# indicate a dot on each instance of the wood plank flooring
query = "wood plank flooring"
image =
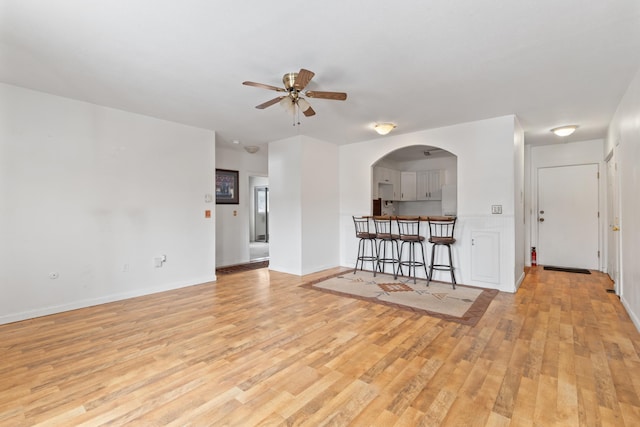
(255, 349)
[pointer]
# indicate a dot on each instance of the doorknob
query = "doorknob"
(541, 219)
(541, 212)
(615, 228)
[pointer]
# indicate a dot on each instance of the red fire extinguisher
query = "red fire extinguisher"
(534, 257)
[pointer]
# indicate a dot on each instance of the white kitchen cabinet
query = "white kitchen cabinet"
(485, 256)
(395, 180)
(390, 178)
(407, 186)
(384, 175)
(429, 185)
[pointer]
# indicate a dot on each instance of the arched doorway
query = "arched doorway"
(415, 180)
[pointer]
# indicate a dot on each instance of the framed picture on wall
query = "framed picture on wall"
(227, 187)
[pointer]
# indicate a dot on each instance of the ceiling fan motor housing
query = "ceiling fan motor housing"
(289, 80)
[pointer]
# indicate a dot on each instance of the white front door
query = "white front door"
(568, 216)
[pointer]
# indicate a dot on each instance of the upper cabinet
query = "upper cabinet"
(386, 183)
(390, 184)
(421, 185)
(395, 179)
(407, 186)
(429, 185)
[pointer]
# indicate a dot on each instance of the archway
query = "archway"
(415, 180)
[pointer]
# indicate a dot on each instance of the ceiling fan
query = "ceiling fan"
(294, 84)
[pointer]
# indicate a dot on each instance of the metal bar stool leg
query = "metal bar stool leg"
(453, 277)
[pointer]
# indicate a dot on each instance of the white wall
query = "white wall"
(285, 245)
(485, 151)
(303, 185)
(95, 194)
(624, 136)
(563, 154)
(520, 250)
(233, 221)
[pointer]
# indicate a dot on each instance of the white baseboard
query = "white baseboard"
(632, 315)
(74, 305)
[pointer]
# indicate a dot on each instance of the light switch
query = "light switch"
(207, 214)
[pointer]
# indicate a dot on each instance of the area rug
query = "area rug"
(464, 304)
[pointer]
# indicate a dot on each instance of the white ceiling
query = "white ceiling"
(421, 63)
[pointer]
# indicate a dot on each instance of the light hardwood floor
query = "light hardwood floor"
(254, 348)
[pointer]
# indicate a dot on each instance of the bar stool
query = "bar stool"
(385, 239)
(365, 236)
(409, 233)
(441, 234)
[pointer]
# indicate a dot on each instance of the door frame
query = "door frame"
(256, 191)
(612, 237)
(535, 208)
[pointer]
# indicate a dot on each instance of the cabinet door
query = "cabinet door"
(395, 180)
(485, 256)
(375, 178)
(429, 185)
(434, 185)
(423, 186)
(407, 186)
(386, 176)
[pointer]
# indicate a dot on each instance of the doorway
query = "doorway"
(261, 216)
(259, 219)
(613, 215)
(568, 217)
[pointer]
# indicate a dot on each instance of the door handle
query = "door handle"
(615, 228)
(541, 219)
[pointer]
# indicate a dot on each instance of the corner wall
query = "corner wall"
(94, 194)
(303, 187)
(485, 151)
(624, 137)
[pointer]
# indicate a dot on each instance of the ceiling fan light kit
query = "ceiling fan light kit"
(294, 83)
(564, 130)
(384, 128)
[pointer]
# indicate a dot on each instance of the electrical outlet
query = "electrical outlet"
(496, 209)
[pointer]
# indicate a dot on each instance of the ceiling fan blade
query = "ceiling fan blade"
(309, 112)
(336, 96)
(264, 86)
(303, 79)
(269, 103)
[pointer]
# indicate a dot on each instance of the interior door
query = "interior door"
(568, 216)
(613, 215)
(262, 214)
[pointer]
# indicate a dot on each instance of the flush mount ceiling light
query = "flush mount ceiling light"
(564, 130)
(384, 128)
(251, 149)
